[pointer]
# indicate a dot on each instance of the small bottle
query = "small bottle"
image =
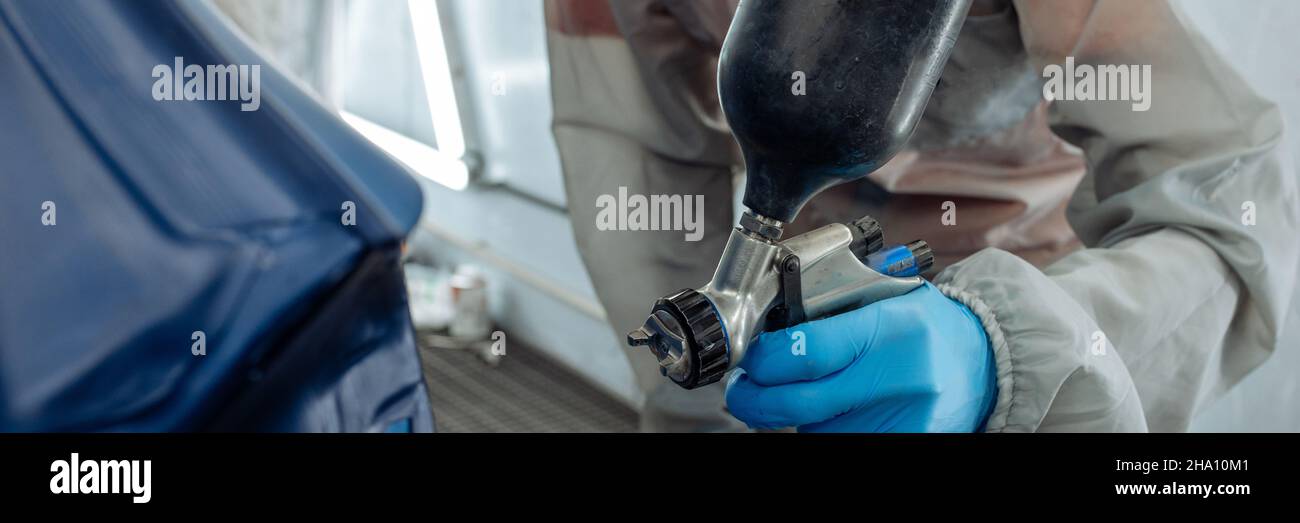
(469, 320)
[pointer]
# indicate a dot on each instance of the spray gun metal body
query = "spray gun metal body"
(762, 285)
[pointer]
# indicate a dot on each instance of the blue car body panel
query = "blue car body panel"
(173, 217)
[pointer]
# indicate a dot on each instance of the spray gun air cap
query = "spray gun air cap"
(685, 334)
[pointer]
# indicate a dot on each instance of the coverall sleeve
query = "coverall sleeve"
(1189, 214)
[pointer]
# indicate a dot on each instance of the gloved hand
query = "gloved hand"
(920, 362)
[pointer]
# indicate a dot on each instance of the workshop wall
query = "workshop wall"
(1260, 39)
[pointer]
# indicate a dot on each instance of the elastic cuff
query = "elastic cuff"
(997, 421)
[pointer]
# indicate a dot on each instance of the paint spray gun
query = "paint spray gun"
(868, 68)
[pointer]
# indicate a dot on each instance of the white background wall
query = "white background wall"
(1262, 38)
(524, 224)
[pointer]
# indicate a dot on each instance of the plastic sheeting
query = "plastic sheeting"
(172, 217)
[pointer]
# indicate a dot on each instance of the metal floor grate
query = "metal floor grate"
(525, 392)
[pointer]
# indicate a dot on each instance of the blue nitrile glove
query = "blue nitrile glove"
(920, 362)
